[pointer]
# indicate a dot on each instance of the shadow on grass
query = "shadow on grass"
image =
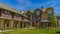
(6, 33)
(32, 31)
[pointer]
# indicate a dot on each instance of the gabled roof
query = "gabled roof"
(43, 10)
(10, 9)
(25, 11)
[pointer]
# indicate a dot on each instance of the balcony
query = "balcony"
(44, 21)
(26, 20)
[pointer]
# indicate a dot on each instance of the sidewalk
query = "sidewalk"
(16, 29)
(5, 30)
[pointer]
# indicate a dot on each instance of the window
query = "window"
(37, 12)
(49, 12)
(17, 15)
(49, 18)
(7, 13)
(38, 19)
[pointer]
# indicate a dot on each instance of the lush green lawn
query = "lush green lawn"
(31, 31)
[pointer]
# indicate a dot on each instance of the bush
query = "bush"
(58, 32)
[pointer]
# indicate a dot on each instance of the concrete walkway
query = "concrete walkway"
(5, 30)
(16, 29)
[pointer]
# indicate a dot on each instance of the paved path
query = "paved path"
(5, 30)
(13, 30)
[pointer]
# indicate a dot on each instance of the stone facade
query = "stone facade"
(46, 16)
(11, 18)
(58, 18)
(41, 16)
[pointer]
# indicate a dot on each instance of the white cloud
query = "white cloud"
(23, 1)
(53, 3)
(48, 2)
(23, 4)
(29, 4)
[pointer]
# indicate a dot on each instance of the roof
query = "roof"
(43, 10)
(32, 11)
(10, 9)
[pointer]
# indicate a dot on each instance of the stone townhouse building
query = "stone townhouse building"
(58, 20)
(11, 18)
(40, 17)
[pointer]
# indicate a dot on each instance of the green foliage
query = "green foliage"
(32, 31)
(6, 33)
(53, 20)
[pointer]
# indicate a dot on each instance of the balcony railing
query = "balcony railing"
(44, 21)
(26, 20)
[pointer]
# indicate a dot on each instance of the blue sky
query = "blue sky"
(33, 4)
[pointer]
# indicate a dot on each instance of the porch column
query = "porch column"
(22, 24)
(27, 24)
(31, 20)
(2, 23)
(47, 24)
(11, 24)
(5, 26)
(18, 25)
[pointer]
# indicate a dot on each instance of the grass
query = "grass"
(31, 31)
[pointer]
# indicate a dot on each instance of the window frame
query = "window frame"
(7, 13)
(17, 15)
(49, 12)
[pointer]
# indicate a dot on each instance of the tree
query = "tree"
(53, 20)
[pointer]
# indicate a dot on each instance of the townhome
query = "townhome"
(46, 17)
(11, 18)
(58, 20)
(41, 17)
(29, 14)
